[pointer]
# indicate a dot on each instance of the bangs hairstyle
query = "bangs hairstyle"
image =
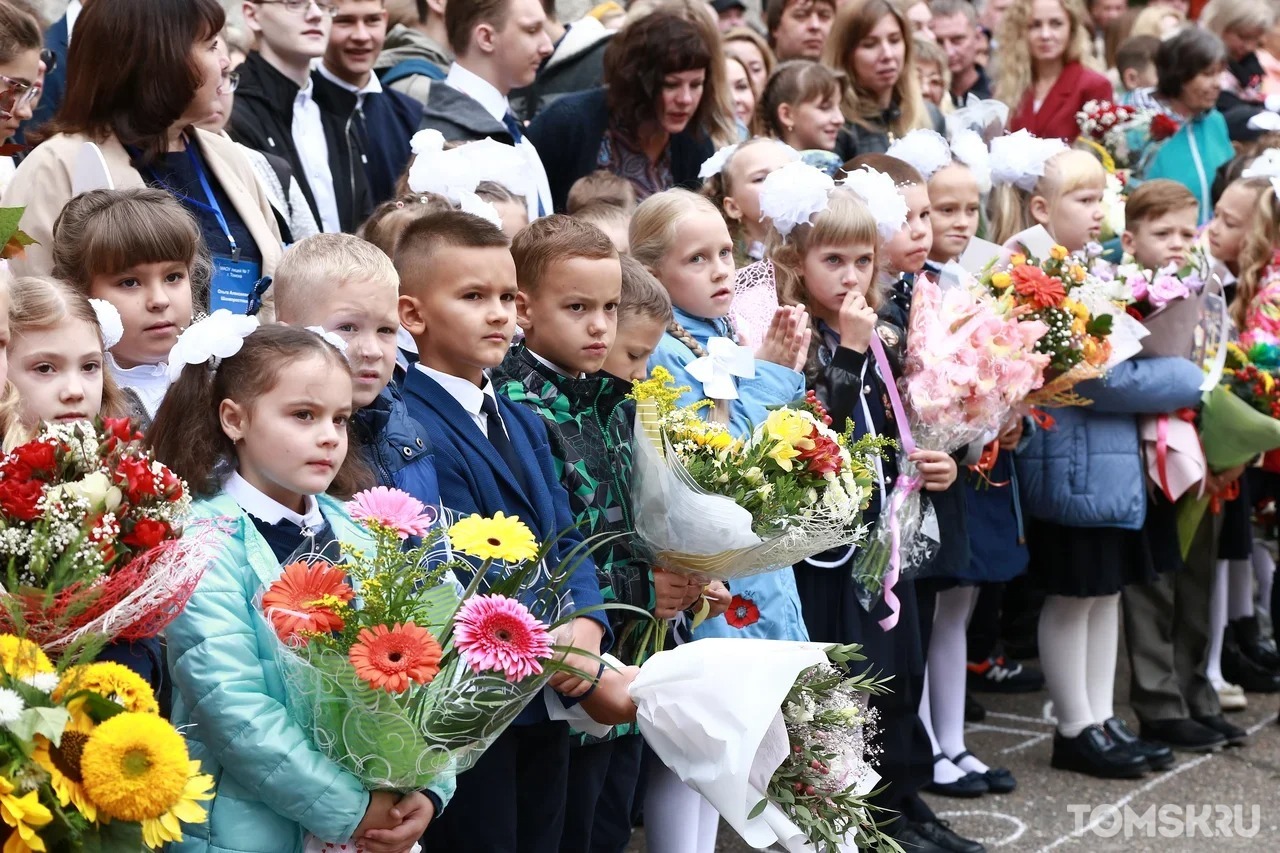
(1064, 173)
(135, 94)
(40, 302)
(643, 296)
(1155, 198)
(311, 268)
(720, 186)
(674, 38)
(106, 232)
(796, 82)
(19, 32)
(758, 41)
(1259, 246)
(846, 222)
(427, 235)
(389, 219)
(1014, 72)
(853, 22)
(554, 238)
(187, 432)
(1184, 57)
(656, 221)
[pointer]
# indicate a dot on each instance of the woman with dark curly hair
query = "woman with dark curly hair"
(664, 108)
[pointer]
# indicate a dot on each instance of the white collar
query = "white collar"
(74, 8)
(147, 373)
(468, 395)
(268, 509)
(481, 90)
(557, 368)
(304, 93)
(373, 87)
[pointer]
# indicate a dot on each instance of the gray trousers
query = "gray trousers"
(1166, 629)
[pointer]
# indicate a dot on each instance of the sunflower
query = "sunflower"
(499, 538)
(21, 658)
(25, 814)
(390, 658)
(135, 767)
(110, 680)
(62, 762)
(168, 827)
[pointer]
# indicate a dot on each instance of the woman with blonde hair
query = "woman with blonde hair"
(871, 42)
(1242, 25)
(753, 52)
(1044, 46)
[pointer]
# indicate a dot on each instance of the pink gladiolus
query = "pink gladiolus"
(392, 509)
(494, 633)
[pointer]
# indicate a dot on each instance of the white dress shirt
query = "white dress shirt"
(313, 152)
(149, 381)
(469, 396)
(267, 509)
(496, 104)
(73, 12)
(372, 87)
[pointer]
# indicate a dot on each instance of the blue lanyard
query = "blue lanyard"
(209, 206)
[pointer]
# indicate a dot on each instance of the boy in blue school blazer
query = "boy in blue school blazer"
(457, 300)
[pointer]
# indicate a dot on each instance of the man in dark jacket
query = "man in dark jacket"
(575, 65)
(499, 44)
(416, 53)
(384, 121)
(955, 26)
(280, 110)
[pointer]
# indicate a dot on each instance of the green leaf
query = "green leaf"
(9, 219)
(49, 722)
(758, 810)
(1100, 325)
(115, 837)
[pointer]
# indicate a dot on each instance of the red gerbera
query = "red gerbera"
(742, 612)
(303, 600)
(389, 658)
(1037, 287)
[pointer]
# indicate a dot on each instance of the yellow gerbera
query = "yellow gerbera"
(499, 538)
(22, 658)
(168, 827)
(135, 767)
(110, 680)
(1058, 253)
(25, 814)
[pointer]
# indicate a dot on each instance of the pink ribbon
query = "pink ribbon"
(902, 488)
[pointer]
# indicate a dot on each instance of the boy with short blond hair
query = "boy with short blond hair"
(643, 317)
(601, 187)
(612, 220)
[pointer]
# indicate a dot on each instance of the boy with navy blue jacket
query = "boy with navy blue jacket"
(458, 301)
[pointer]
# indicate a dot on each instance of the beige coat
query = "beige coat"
(42, 184)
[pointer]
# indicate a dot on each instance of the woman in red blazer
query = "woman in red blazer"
(1042, 44)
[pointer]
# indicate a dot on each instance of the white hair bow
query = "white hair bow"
(925, 150)
(469, 202)
(716, 370)
(458, 170)
(882, 197)
(967, 147)
(1020, 158)
(1265, 165)
(792, 195)
(218, 336)
(333, 339)
(715, 164)
(109, 321)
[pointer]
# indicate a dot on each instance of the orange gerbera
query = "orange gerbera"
(305, 599)
(1037, 287)
(390, 658)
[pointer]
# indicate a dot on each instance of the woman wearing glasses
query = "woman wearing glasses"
(146, 134)
(20, 44)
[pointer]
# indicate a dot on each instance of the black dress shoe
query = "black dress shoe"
(1094, 753)
(1183, 734)
(999, 780)
(1254, 645)
(1235, 735)
(1237, 668)
(968, 786)
(940, 834)
(973, 712)
(1158, 756)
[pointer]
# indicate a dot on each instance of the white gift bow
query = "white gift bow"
(716, 370)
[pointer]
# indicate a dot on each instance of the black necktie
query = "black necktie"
(501, 443)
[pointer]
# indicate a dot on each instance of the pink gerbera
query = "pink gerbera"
(392, 509)
(494, 633)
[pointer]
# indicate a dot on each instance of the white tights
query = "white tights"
(1079, 638)
(942, 703)
(676, 818)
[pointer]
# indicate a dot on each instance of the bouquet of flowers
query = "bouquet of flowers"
(1240, 418)
(1076, 307)
(86, 761)
(89, 537)
(787, 763)
(1166, 301)
(712, 505)
(1105, 127)
(399, 674)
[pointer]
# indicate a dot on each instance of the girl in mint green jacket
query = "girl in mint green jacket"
(260, 436)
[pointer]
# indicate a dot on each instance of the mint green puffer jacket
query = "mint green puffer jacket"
(272, 786)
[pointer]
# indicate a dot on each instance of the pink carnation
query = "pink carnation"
(1165, 289)
(494, 633)
(392, 509)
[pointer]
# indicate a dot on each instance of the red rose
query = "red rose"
(824, 457)
(170, 485)
(134, 473)
(742, 612)
(1163, 126)
(19, 499)
(121, 428)
(15, 469)
(38, 456)
(146, 534)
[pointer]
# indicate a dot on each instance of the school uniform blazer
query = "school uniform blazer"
(474, 479)
(42, 185)
(1056, 117)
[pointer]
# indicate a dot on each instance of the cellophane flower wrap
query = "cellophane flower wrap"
(90, 527)
(788, 763)
(1077, 307)
(1240, 418)
(715, 506)
(972, 360)
(1167, 301)
(396, 671)
(1106, 127)
(86, 761)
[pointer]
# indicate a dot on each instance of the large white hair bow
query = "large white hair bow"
(792, 195)
(716, 370)
(1020, 158)
(458, 170)
(1265, 165)
(882, 197)
(967, 147)
(715, 164)
(925, 150)
(109, 321)
(218, 336)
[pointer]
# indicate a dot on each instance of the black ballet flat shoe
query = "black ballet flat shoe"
(998, 779)
(1093, 753)
(967, 787)
(1160, 757)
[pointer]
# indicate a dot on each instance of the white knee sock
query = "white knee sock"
(1217, 624)
(944, 771)
(1264, 570)
(1104, 642)
(947, 674)
(1064, 645)
(1239, 589)
(675, 819)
